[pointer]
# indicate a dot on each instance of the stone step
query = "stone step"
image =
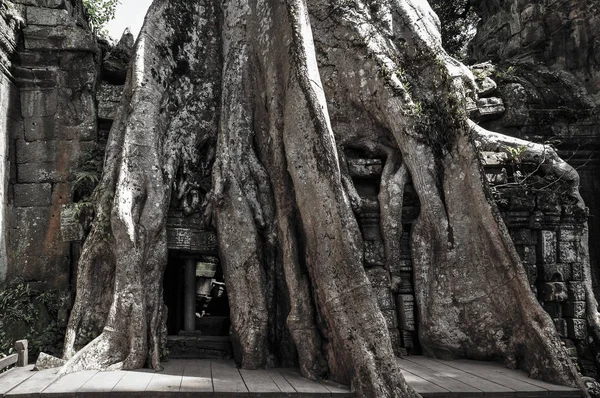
(199, 347)
(212, 326)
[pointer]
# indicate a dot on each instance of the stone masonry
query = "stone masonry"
(59, 91)
(549, 79)
(56, 72)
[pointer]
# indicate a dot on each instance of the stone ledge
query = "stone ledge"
(49, 16)
(71, 38)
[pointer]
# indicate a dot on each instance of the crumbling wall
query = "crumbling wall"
(548, 74)
(10, 116)
(546, 227)
(55, 71)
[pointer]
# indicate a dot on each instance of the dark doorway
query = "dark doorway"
(211, 307)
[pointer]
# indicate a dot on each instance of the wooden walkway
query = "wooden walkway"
(464, 378)
(218, 378)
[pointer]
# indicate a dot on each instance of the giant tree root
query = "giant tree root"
(282, 205)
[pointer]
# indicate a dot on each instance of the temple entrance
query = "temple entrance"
(195, 293)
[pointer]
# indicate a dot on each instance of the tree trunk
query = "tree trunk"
(248, 87)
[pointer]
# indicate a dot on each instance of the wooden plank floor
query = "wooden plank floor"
(465, 378)
(220, 378)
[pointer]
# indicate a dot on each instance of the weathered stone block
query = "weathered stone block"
(198, 241)
(561, 327)
(523, 236)
(383, 295)
(77, 60)
(532, 272)
(46, 3)
(518, 219)
(577, 272)
(374, 253)
(405, 307)
(490, 107)
(390, 318)
(406, 283)
(365, 168)
(38, 151)
(521, 203)
(109, 97)
(16, 130)
(46, 361)
(58, 38)
(31, 195)
(76, 106)
(485, 86)
(553, 308)
(408, 339)
(379, 277)
(71, 229)
(527, 253)
(369, 226)
(535, 221)
(35, 244)
(49, 16)
(38, 128)
(576, 291)
(576, 328)
(38, 102)
(547, 247)
(38, 59)
(554, 291)
(568, 252)
(574, 309)
(77, 79)
(40, 172)
(49, 151)
(553, 272)
(569, 234)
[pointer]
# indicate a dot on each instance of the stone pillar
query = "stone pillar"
(189, 295)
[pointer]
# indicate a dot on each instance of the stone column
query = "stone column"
(189, 295)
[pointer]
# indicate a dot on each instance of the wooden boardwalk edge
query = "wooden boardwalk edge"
(221, 378)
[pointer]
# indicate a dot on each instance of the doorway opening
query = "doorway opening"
(198, 310)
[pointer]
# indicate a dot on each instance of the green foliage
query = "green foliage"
(88, 172)
(459, 23)
(87, 176)
(100, 12)
(514, 154)
(29, 314)
(505, 74)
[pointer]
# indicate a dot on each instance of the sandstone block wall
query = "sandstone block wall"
(10, 119)
(549, 79)
(56, 73)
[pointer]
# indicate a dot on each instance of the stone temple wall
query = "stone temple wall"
(59, 91)
(10, 118)
(561, 34)
(548, 76)
(548, 232)
(55, 71)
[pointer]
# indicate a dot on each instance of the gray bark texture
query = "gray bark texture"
(266, 96)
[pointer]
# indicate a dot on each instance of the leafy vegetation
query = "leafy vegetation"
(29, 314)
(100, 12)
(459, 22)
(87, 175)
